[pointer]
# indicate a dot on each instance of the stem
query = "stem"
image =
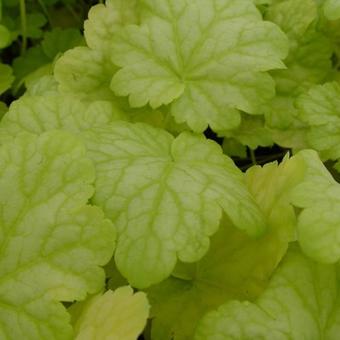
(23, 26)
(252, 156)
(273, 157)
(73, 13)
(44, 9)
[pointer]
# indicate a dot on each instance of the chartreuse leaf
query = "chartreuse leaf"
(300, 302)
(208, 59)
(87, 71)
(104, 21)
(308, 63)
(287, 130)
(294, 17)
(166, 196)
(37, 114)
(319, 222)
(309, 59)
(113, 315)
(319, 108)
(321, 104)
(42, 108)
(236, 266)
(51, 242)
(45, 85)
(332, 9)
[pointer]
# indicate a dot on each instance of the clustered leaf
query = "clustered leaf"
(165, 195)
(122, 217)
(217, 66)
(319, 109)
(52, 242)
(37, 114)
(318, 226)
(332, 9)
(236, 265)
(301, 292)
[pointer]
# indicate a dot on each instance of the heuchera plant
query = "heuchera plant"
(128, 206)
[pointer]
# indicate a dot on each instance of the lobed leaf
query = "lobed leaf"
(51, 242)
(166, 196)
(207, 59)
(236, 265)
(299, 303)
(113, 315)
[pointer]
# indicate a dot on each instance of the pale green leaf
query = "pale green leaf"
(105, 20)
(320, 109)
(86, 73)
(321, 105)
(45, 85)
(319, 222)
(282, 119)
(166, 196)
(52, 242)
(236, 266)
(309, 63)
(298, 304)
(208, 59)
(293, 16)
(281, 112)
(119, 315)
(37, 114)
(309, 59)
(332, 9)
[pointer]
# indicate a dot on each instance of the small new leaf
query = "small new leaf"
(117, 315)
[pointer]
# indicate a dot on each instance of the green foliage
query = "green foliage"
(31, 24)
(113, 315)
(52, 242)
(168, 169)
(301, 302)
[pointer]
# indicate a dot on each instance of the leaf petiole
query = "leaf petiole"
(23, 26)
(252, 156)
